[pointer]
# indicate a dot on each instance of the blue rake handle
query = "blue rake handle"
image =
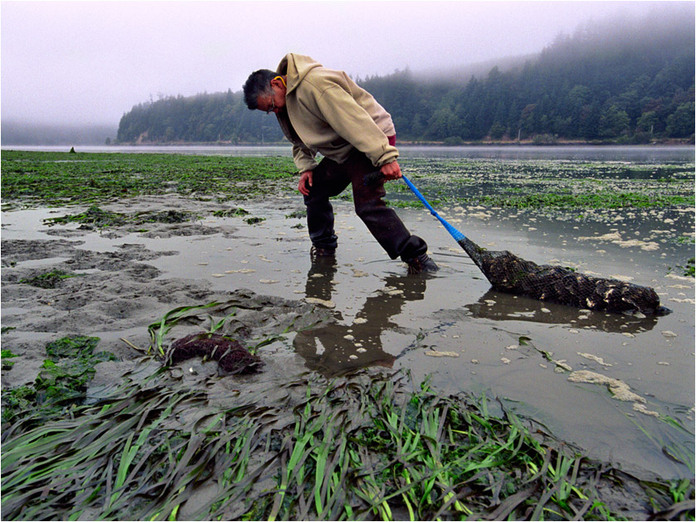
(456, 234)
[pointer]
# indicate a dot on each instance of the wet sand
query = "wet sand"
(539, 359)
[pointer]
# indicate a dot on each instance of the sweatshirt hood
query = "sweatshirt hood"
(296, 67)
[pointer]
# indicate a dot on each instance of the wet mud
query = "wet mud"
(364, 310)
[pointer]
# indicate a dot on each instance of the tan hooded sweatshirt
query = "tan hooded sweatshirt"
(328, 113)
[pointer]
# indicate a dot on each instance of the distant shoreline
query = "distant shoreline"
(523, 143)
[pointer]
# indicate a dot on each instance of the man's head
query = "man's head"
(265, 90)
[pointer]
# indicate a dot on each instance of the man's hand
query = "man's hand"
(305, 182)
(391, 171)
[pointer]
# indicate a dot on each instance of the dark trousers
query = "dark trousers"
(329, 179)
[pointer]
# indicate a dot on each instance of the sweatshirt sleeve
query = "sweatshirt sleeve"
(355, 125)
(303, 158)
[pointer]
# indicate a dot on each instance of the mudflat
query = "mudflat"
(618, 387)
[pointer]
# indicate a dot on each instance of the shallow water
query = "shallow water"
(450, 327)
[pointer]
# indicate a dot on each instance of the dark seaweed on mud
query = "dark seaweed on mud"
(232, 357)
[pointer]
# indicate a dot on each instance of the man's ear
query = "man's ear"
(278, 83)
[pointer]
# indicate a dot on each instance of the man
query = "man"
(323, 111)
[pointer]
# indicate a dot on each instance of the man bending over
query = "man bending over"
(323, 111)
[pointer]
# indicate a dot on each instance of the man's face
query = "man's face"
(274, 101)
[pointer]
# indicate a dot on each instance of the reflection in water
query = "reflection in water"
(338, 348)
(500, 306)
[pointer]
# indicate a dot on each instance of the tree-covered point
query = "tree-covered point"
(632, 83)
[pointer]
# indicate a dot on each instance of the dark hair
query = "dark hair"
(258, 83)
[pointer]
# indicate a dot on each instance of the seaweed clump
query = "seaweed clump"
(61, 385)
(231, 356)
(93, 217)
(47, 280)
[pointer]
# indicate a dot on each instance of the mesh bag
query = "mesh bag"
(508, 273)
(512, 274)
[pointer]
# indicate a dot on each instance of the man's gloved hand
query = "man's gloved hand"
(305, 182)
(391, 170)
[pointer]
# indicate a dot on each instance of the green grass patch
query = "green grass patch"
(61, 384)
(233, 212)
(95, 217)
(48, 279)
(400, 203)
(539, 184)
(368, 446)
(164, 216)
(598, 200)
(7, 354)
(57, 179)
(359, 448)
(688, 268)
(298, 214)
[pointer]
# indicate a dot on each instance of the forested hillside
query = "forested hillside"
(631, 82)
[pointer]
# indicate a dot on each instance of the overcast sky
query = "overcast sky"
(91, 61)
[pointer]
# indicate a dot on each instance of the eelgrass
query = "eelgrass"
(360, 447)
(368, 446)
(58, 179)
(5, 355)
(49, 279)
(193, 314)
(60, 385)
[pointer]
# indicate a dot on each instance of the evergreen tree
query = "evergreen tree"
(629, 85)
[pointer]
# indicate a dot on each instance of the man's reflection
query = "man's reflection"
(338, 348)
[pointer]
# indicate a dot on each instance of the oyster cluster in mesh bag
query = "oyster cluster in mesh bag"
(509, 273)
